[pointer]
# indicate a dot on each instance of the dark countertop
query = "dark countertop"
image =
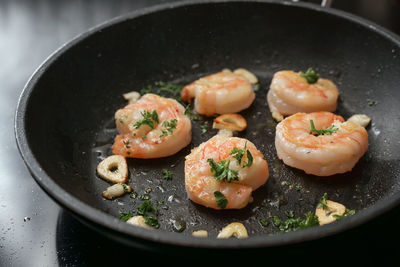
(34, 230)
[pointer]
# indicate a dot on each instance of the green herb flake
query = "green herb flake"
(151, 221)
(145, 197)
(169, 126)
(204, 127)
(220, 199)
(124, 216)
(345, 215)
(372, 103)
(146, 90)
(125, 187)
(167, 174)
(310, 75)
(294, 224)
(290, 213)
(180, 227)
(256, 87)
(264, 222)
(190, 114)
(126, 143)
(221, 170)
(276, 221)
(145, 207)
(239, 153)
(133, 195)
(163, 88)
(149, 118)
(297, 187)
(328, 131)
(322, 203)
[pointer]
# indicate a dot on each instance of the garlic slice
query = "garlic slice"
(234, 229)
(231, 121)
(200, 233)
(138, 221)
(132, 97)
(361, 119)
(113, 169)
(325, 216)
(116, 190)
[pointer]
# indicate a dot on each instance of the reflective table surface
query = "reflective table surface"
(35, 231)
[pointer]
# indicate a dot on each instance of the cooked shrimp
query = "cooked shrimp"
(152, 127)
(291, 92)
(220, 93)
(201, 185)
(335, 148)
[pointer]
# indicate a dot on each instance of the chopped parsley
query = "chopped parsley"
(239, 153)
(146, 90)
(204, 127)
(151, 221)
(264, 222)
(294, 224)
(124, 216)
(133, 195)
(276, 221)
(145, 197)
(347, 214)
(125, 187)
(221, 170)
(290, 213)
(328, 131)
(163, 88)
(220, 199)
(169, 126)
(147, 207)
(310, 75)
(174, 89)
(126, 143)
(148, 118)
(190, 114)
(167, 174)
(322, 203)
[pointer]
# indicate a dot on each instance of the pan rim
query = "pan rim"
(112, 223)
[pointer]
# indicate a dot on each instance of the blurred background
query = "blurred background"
(34, 230)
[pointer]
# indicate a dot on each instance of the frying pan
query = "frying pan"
(64, 121)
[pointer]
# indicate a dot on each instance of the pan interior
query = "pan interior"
(70, 113)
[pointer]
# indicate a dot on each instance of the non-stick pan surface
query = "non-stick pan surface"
(65, 126)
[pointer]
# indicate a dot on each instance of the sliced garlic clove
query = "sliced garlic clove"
(200, 233)
(325, 216)
(277, 116)
(139, 221)
(113, 169)
(224, 132)
(132, 97)
(116, 190)
(361, 119)
(234, 229)
(231, 121)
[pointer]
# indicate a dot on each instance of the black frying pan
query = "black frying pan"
(64, 122)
